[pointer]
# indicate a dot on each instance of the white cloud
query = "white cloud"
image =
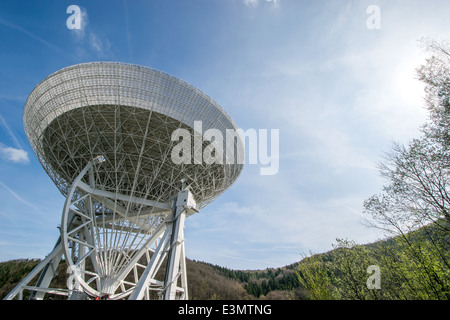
(254, 3)
(17, 155)
(87, 39)
(101, 47)
(275, 2)
(81, 32)
(14, 155)
(251, 3)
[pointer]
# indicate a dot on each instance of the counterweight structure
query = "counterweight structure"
(103, 133)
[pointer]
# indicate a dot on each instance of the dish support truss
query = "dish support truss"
(114, 246)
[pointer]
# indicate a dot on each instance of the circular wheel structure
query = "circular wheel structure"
(103, 133)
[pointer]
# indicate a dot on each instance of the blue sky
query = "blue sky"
(338, 91)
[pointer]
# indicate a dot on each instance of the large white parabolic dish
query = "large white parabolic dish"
(127, 114)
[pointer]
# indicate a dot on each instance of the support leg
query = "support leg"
(172, 246)
(48, 268)
(176, 262)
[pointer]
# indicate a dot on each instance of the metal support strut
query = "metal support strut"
(172, 246)
(91, 219)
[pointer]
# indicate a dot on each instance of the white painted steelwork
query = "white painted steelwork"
(102, 131)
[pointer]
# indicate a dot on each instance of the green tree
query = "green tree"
(414, 206)
(414, 210)
(313, 275)
(350, 265)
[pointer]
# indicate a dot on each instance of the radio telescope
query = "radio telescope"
(103, 133)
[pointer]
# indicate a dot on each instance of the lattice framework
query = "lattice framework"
(102, 131)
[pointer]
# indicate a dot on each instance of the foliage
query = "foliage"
(414, 210)
(280, 283)
(313, 275)
(410, 269)
(416, 200)
(12, 272)
(204, 282)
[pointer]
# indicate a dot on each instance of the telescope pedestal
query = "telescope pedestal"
(108, 256)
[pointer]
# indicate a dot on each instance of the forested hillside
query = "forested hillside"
(271, 283)
(410, 269)
(204, 282)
